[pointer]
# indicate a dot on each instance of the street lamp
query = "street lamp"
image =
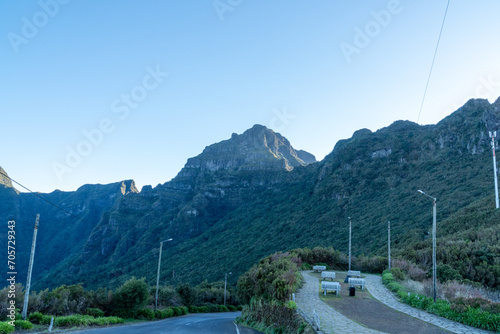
(433, 243)
(158, 274)
(389, 242)
(492, 136)
(225, 284)
(349, 243)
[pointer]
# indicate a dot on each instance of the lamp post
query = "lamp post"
(158, 274)
(493, 135)
(389, 241)
(433, 243)
(349, 243)
(225, 284)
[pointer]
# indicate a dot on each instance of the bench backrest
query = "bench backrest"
(357, 281)
(319, 268)
(328, 274)
(354, 273)
(330, 285)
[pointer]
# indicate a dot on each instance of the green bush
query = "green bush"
(145, 313)
(184, 310)
(306, 266)
(168, 312)
(46, 319)
(232, 308)
(239, 308)
(398, 274)
(95, 312)
(446, 273)
(104, 321)
(35, 318)
(5, 327)
(24, 324)
(132, 296)
(177, 311)
(73, 320)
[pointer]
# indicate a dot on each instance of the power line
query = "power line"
(42, 198)
(433, 59)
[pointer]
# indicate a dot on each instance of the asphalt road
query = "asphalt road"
(209, 323)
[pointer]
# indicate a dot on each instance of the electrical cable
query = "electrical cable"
(433, 59)
(42, 198)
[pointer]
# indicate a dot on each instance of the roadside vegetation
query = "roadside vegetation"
(456, 301)
(73, 306)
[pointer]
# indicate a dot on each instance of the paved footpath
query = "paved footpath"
(380, 292)
(331, 321)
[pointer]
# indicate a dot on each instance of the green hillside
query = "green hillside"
(252, 195)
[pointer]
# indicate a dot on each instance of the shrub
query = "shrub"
(168, 312)
(103, 321)
(291, 305)
(232, 308)
(306, 266)
(95, 312)
(24, 324)
(239, 308)
(132, 296)
(446, 273)
(5, 327)
(46, 319)
(223, 308)
(73, 320)
(177, 311)
(397, 274)
(35, 318)
(145, 313)
(184, 310)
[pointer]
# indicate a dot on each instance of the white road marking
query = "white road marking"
(237, 330)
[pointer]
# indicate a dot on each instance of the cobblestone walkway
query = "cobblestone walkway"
(380, 292)
(331, 321)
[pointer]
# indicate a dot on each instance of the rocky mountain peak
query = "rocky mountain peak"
(4, 179)
(258, 148)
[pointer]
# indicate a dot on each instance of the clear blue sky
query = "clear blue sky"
(100, 67)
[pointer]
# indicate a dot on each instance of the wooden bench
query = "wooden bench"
(354, 273)
(330, 286)
(327, 274)
(357, 281)
(319, 268)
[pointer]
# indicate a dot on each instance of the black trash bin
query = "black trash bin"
(352, 291)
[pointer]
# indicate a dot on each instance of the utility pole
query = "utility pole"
(30, 268)
(434, 273)
(158, 274)
(492, 136)
(389, 241)
(349, 243)
(225, 284)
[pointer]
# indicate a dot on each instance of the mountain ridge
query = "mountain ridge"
(227, 203)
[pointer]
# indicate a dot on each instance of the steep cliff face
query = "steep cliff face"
(61, 233)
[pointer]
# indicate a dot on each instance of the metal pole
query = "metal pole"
(493, 135)
(349, 243)
(389, 241)
(434, 248)
(225, 283)
(30, 268)
(158, 277)
(158, 274)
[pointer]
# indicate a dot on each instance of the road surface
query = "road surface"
(206, 323)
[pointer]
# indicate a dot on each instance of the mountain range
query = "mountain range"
(254, 194)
